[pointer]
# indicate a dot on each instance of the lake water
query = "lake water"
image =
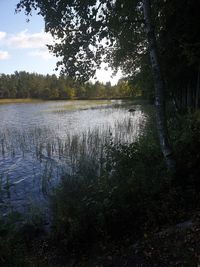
(41, 141)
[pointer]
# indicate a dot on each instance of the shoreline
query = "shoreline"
(36, 100)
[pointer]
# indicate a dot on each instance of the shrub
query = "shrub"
(133, 193)
(87, 206)
(11, 245)
(185, 132)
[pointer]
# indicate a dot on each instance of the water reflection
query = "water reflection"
(41, 141)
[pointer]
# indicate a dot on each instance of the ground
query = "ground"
(176, 246)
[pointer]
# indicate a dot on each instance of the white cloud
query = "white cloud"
(4, 55)
(34, 42)
(42, 53)
(25, 39)
(2, 35)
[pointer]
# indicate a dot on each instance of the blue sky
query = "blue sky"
(22, 44)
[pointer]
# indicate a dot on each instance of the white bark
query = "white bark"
(197, 90)
(159, 89)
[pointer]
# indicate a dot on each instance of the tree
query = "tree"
(159, 88)
(124, 88)
(179, 43)
(91, 31)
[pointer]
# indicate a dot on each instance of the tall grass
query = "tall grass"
(133, 194)
(43, 143)
(46, 155)
(110, 203)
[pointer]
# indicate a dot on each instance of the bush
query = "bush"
(133, 193)
(186, 140)
(16, 239)
(88, 206)
(11, 245)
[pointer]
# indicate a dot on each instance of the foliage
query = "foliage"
(11, 245)
(17, 234)
(133, 194)
(121, 201)
(179, 48)
(186, 139)
(90, 31)
(114, 32)
(30, 85)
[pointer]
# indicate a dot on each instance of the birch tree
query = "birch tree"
(161, 120)
(117, 32)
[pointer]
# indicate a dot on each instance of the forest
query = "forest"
(133, 204)
(32, 85)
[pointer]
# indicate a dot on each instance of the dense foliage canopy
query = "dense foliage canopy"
(89, 32)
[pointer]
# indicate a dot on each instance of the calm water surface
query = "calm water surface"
(41, 141)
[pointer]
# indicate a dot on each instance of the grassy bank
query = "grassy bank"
(135, 100)
(19, 100)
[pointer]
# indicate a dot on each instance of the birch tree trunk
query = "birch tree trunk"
(159, 89)
(197, 90)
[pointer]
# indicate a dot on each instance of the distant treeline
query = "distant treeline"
(32, 85)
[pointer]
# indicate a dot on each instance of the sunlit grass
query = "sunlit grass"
(80, 105)
(19, 100)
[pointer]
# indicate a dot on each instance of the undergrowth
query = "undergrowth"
(131, 197)
(133, 194)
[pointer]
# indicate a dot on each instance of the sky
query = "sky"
(23, 44)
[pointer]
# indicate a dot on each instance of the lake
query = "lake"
(41, 141)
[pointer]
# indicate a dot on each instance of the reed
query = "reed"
(71, 152)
